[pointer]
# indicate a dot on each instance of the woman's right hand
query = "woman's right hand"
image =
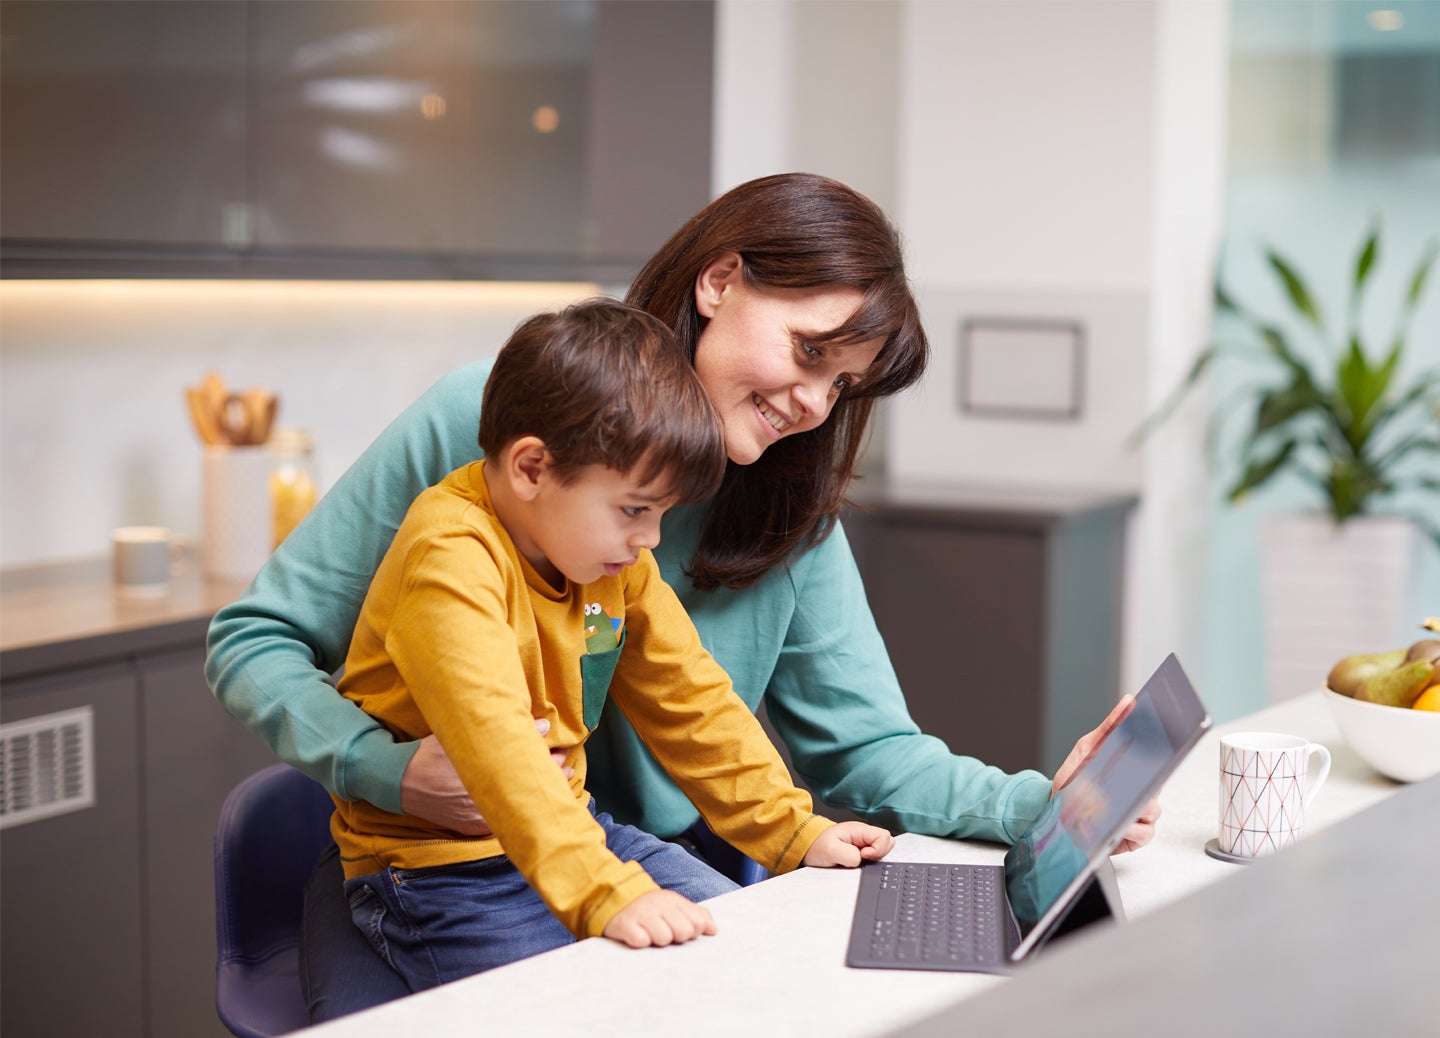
(431, 789)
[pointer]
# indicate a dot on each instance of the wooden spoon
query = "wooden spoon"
(260, 408)
(202, 417)
(237, 422)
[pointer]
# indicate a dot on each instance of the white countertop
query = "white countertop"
(777, 965)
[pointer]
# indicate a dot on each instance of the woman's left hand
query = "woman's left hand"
(1143, 831)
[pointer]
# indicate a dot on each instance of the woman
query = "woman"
(790, 293)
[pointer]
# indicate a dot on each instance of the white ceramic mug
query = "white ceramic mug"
(143, 559)
(1265, 787)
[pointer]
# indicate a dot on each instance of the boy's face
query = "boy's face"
(592, 527)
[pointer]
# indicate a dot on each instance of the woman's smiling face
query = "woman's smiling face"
(759, 360)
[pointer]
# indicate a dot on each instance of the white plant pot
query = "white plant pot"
(1331, 592)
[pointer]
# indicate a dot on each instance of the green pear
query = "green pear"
(1347, 675)
(1398, 687)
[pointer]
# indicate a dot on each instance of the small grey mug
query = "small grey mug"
(143, 558)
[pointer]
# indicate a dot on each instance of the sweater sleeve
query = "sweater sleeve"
(835, 701)
(682, 705)
(272, 651)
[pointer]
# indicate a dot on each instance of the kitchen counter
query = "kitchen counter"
(777, 965)
(63, 614)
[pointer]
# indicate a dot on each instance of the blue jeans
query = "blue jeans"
(435, 925)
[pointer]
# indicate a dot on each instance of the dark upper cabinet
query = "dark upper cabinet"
(455, 139)
(121, 122)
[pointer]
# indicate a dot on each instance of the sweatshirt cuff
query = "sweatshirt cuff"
(793, 854)
(373, 768)
(1027, 799)
(620, 897)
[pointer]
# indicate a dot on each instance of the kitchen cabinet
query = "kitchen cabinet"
(109, 909)
(122, 123)
(71, 945)
(1001, 611)
(446, 139)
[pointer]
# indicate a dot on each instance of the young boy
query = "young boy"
(521, 588)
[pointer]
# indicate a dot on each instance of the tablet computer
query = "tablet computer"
(989, 917)
(1082, 824)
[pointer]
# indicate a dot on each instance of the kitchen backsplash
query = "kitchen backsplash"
(96, 433)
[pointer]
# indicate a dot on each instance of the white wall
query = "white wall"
(1066, 159)
(96, 431)
(1042, 157)
(1026, 187)
(808, 86)
(1027, 135)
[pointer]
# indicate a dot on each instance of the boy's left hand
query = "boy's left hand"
(847, 844)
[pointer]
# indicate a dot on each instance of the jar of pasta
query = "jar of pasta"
(293, 489)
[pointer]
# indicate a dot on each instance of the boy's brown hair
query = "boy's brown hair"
(603, 383)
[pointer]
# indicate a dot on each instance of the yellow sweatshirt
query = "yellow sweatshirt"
(459, 636)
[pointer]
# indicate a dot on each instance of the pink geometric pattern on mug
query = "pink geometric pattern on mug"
(1262, 800)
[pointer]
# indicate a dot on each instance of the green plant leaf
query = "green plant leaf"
(1257, 473)
(1300, 296)
(1238, 401)
(1198, 368)
(1425, 387)
(1418, 279)
(1388, 459)
(1424, 483)
(1279, 347)
(1412, 297)
(1361, 386)
(1351, 483)
(1223, 301)
(1281, 405)
(1365, 261)
(1167, 408)
(1323, 418)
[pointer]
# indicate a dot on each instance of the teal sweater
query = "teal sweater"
(802, 638)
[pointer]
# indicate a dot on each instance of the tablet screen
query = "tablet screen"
(1084, 821)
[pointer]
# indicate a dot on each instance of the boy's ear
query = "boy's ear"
(714, 278)
(526, 462)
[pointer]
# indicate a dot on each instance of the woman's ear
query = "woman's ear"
(714, 279)
(526, 462)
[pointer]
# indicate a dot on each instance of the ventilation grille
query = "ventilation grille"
(47, 766)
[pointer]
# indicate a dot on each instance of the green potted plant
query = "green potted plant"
(1342, 422)
(1336, 414)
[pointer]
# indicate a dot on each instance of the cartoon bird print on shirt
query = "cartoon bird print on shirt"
(601, 631)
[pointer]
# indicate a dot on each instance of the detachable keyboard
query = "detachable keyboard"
(932, 917)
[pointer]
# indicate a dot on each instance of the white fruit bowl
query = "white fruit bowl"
(1401, 744)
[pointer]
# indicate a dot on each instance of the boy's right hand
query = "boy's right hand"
(659, 917)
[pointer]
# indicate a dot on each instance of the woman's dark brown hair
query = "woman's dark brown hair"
(792, 231)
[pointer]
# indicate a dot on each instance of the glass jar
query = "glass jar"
(293, 488)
